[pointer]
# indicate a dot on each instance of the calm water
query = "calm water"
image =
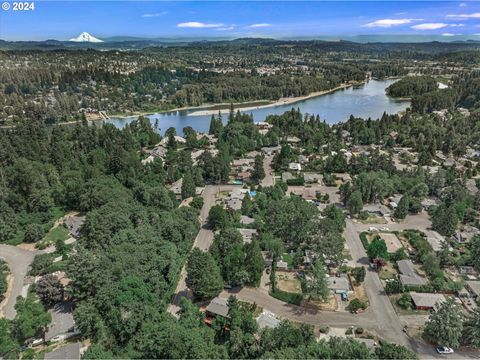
(368, 100)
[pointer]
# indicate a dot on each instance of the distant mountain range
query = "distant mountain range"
(86, 40)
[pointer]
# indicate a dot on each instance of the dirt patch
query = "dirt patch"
(288, 282)
(7, 293)
(360, 293)
(27, 246)
(330, 305)
(393, 244)
(387, 272)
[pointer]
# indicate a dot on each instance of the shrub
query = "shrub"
(34, 233)
(197, 202)
(364, 240)
(291, 298)
(359, 331)
(363, 215)
(299, 181)
(394, 287)
(356, 304)
(405, 301)
(324, 329)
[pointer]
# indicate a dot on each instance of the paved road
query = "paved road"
(18, 261)
(203, 240)
(268, 179)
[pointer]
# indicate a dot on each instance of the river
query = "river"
(367, 100)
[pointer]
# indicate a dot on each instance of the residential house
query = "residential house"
(295, 167)
(248, 235)
(178, 139)
(282, 265)
(176, 188)
(408, 274)
(467, 270)
(427, 301)
(473, 287)
(428, 202)
(465, 234)
(234, 199)
(293, 140)
(287, 176)
(267, 320)
(313, 178)
(62, 324)
(74, 224)
(70, 351)
(246, 220)
(217, 307)
(434, 239)
(270, 150)
(338, 285)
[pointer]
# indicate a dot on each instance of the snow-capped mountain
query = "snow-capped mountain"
(86, 37)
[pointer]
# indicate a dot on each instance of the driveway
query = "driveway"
(19, 261)
(203, 241)
(268, 179)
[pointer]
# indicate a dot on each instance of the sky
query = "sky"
(62, 20)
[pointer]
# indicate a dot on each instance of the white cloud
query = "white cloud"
(429, 26)
(262, 25)
(155, 14)
(448, 34)
(456, 25)
(386, 23)
(465, 16)
(199, 25)
(462, 4)
(225, 28)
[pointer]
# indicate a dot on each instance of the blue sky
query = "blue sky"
(65, 19)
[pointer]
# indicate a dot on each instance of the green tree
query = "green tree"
(445, 326)
(359, 274)
(188, 186)
(34, 233)
(258, 172)
(218, 217)
(471, 329)
(394, 351)
(254, 263)
(204, 278)
(445, 220)
(475, 252)
(31, 320)
(318, 285)
(401, 211)
(49, 289)
(8, 345)
(377, 248)
(355, 203)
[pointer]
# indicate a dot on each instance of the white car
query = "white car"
(372, 229)
(444, 350)
(385, 228)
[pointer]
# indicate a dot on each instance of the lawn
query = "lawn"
(373, 220)
(288, 282)
(54, 235)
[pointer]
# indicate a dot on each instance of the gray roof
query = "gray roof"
(267, 320)
(408, 275)
(338, 283)
(62, 320)
(286, 176)
(427, 299)
(474, 286)
(247, 234)
(406, 267)
(434, 239)
(246, 220)
(68, 351)
(218, 306)
(74, 224)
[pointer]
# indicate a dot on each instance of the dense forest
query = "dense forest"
(412, 85)
(62, 85)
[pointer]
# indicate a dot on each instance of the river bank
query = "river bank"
(279, 102)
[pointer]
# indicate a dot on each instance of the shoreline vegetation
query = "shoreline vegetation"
(224, 108)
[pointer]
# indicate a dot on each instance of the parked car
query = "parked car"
(385, 228)
(444, 350)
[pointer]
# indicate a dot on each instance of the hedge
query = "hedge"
(363, 238)
(288, 297)
(299, 181)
